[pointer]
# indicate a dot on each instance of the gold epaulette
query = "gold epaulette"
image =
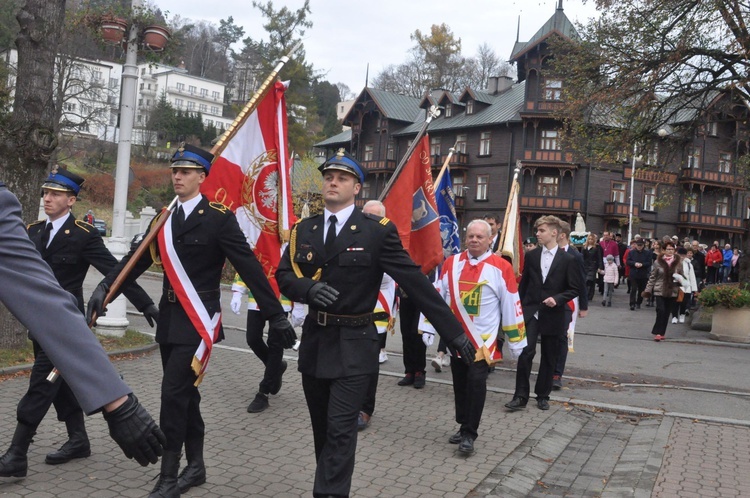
(84, 226)
(219, 207)
(35, 223)
(293, 251)
(384, 221)
(152, 248)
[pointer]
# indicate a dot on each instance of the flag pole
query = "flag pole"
(446, 164)
(432, 113)
(508, 210)
(217, 149)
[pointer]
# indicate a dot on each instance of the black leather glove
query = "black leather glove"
(151, 314)
(96, 302)
(279, 325)
(465, 349)
(321, 295)
(133, 429)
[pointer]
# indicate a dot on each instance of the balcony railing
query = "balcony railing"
(620, 209)
(557, 156)
(710, 221)
(712, 177)
(558, 204)
(379, 166)
(543, 106)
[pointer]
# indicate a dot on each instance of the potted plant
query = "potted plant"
(112, 29)
(731, 311)
(155, 37)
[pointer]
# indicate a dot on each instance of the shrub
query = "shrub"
(728, 296)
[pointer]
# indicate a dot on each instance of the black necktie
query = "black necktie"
(45, 236)
(331, 235)
(180, 217)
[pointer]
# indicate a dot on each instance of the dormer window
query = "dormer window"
(470, 107)
(448, 110)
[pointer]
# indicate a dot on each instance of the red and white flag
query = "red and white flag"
(251, 176)
(418, 222)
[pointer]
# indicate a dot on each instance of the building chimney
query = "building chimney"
(181, 65)
(492, 85)
(503, 83)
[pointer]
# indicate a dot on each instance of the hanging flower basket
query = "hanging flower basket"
(113, 30)
(155, 37)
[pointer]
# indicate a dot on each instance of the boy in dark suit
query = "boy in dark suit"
(551, 277)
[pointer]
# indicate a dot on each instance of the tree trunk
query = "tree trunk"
(29, 139)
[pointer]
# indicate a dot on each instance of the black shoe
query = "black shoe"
(466, 446)
(363, 421)
(419, 380)
(516, 404)
(259, 404)
(194, 474)
(556, 383)
(76, 447)
(609, 305)
(455, 438)
(277, 385)
(632, 307)
(14, 462)
(637, 306)
(604, 303)
(166, 486)
(542, 404)
(407, 380)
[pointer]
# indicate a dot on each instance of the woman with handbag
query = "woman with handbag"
(667, 276)
(688, 287)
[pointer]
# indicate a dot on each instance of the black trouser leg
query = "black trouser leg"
(35, 404)
(368, 406)
(549, 349)
(180, 415)
(470, 393)
(270, 354)
(663, 307)
(525, 360)
(415, 351)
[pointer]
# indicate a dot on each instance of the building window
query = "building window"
(209, 122)
(722, 206)
(549, 140)
(647, 234)
(725, 162)
(191, 89)
(143, 71)
(470, 107)
(689, 203)
(204, 92)
(547, 186)
(618, 192)
(712, 128)
(434, 146)
(215, 95)
(448, 110)
(461, 144)
(484, 143)
(552, 89)
(652, 157)
(178, 103)
(390, 151)
(113, 82)
(365, 192)
(214, 110)
(483, 182)
(202, 108)
(369, 152)
(180, 87)
(191, 106)
(694, 159)
(458, 185)
(649, 198)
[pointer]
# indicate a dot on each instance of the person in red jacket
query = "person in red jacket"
(714, 260)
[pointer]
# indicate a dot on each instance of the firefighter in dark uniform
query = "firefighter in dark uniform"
(203, 235)
(69, 247)
(334, 263)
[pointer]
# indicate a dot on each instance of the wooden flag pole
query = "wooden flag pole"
(446, 165)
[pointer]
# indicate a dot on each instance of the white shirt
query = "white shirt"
(341, 218)
(56, 225)
(188, 206)
(547, 256)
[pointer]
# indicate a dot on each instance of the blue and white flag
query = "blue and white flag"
(446, 206)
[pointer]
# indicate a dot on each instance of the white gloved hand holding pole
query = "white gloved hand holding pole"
(236, 304)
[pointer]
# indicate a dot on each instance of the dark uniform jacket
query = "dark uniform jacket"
(563, 284)
(209, 235)
(365, 248)
(75, 247)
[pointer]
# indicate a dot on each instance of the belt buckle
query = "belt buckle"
(171, 296)
(324, 322)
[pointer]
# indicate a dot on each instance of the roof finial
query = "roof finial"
(367, 74)
(559, 5)
(518, 29)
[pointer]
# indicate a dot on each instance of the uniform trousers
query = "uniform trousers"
(180, 416)
(415, 352)
(469, 392)
(550, 349)
(334, 406)
(270, 354)
(41, 394)
(562, 352)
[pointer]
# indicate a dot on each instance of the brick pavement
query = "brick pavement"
(566, 451)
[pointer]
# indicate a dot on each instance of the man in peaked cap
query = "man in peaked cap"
(196, 241)
(335, 262)
(69, 247)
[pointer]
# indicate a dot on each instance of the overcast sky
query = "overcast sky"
(348, 34)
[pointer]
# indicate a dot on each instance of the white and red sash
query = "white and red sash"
(454, 276)
(207, 326)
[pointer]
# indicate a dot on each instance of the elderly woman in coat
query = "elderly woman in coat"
(667, 275)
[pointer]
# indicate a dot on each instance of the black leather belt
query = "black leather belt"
(209, 294)
(330, 320)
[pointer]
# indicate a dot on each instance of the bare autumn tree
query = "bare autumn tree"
(28, 139)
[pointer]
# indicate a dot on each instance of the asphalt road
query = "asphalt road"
(615, 362)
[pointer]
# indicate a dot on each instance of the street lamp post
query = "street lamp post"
(632, 187)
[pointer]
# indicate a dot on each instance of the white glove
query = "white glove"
(515, 353)
(428, 338)
(236, 303)
(679, 279)
(298, 314)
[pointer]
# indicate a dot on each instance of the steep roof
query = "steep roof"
(342, 138)
(557, 24)
(391, 105)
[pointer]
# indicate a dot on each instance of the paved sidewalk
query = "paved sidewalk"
(566, 451)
